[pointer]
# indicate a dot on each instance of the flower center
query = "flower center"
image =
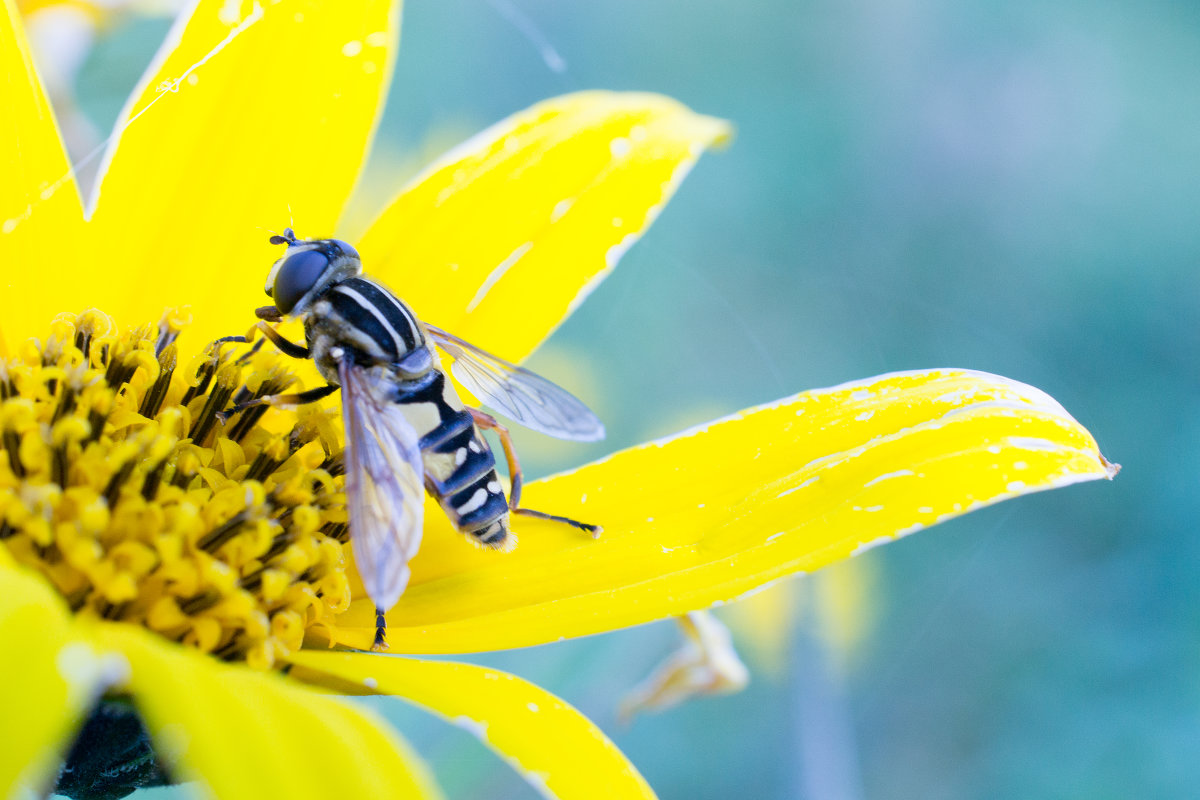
(121, 482)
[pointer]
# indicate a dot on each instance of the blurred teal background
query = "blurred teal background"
(1008, 187)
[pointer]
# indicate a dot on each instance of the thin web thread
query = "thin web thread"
(163, 89)
(517, 18)
(529, 29)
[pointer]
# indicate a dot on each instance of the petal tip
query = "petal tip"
(723, 132)
(1111, 468)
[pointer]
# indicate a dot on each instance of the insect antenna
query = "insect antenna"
(288, 237)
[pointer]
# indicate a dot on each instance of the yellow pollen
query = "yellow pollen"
(125, 485)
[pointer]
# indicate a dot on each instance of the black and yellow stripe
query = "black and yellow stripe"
(460, 468)
(460, 471)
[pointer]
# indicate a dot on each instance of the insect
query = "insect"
(407, 431)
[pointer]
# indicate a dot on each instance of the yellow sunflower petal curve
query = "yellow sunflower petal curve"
(504, 235)
(49, 677)
(249, 734)
(705, 516)
(558, 750)
(255, 115)
(40, 211)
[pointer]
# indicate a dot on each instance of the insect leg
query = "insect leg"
(380, 631)
(297, 399)
(487, 422)
(246, 356)
(287, 348)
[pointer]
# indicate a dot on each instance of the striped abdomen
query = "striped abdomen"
(460, 470)
(377, 328)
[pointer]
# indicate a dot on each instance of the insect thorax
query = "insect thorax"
(360, 319)
(366, 321)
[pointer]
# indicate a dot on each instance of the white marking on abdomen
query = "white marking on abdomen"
(477, 500)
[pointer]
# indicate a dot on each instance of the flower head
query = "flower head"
(127, 492)
(147, 540)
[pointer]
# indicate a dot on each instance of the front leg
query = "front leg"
(287, 348)
(296, 399)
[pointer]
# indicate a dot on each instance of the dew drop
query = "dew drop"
(620, 147)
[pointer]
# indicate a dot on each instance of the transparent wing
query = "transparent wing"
(385, 484)
(523, 396)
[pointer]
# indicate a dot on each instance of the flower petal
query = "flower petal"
(716, 511)
(254, 116)
(499, 240)
(250, 734)
(49, 678)
(39, 202)
(557, 749)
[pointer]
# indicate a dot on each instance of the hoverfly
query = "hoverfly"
(407, 431)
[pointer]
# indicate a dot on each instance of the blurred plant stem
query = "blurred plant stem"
(827, 767)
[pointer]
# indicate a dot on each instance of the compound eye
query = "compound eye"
(346, 249)
(297, 275)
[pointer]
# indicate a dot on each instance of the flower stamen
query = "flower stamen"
(126, 486)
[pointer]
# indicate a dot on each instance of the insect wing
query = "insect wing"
(385, 488)
(523, 396)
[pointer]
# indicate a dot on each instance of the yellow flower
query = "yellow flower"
(261, 114)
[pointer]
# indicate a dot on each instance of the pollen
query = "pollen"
(133, 483)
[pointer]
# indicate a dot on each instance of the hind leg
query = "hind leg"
(488, 422)
(380, 643)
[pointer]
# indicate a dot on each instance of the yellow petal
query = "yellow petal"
(503, 236)
(49, 678)
(552, 745)
(716, 511)
(254, 116)
(250, 734)
(39, 203)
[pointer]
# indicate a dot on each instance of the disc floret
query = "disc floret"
(123, 483)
